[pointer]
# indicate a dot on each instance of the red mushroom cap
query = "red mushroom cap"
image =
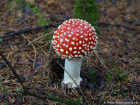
(74, 39)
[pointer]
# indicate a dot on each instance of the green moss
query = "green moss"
(1, 40)
(87, 10)
(20, 5)
(119, 72)
(49, 37)
(36, 11)
(64, 100)
(108, 78)
(92, 75)
(42, 21)
(4, 89)
(30, 4)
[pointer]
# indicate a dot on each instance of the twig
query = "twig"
(126, 74)
(110, 89)
(31, 93)
(2, 51)
(27, 30)
(93, 98)
(21, 63)
(33, 48)
(43, 51)
(5, 93)
(73, 81)
(50, 50)
(130, 37)
(127, 98)
(36, 101)
(130, 28)
(13, 70)
(101, 61)
(40, 38)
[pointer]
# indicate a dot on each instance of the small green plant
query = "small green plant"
(48, 74)
(4, 89)
(92, 103)
(108, 78)
(36, 11)
(32, 103)
(87, 10)
(21, 92)
(35, 81)
(104, 96)
(50, 63)
(49, 37)
(7, 74)
(18, 41)
(92, 75)
(19, 89)
(136, 61)
(30, 4)
(119, 72)
(120, 96)
(42, 21)
(19, 5)
(106, 57)
(64, 100)
(1, 40)
(114, 93)
(85, 61)
(1, 13)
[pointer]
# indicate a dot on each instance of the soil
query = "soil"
(110, 75)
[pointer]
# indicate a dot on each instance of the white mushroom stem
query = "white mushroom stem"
(73, 68)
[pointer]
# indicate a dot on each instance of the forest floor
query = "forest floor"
(110, 76)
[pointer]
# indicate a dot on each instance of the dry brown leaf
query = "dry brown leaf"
(105, 50)
(30, 1)
(49, 2)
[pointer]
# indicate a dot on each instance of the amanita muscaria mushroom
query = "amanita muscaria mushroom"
(73, 40)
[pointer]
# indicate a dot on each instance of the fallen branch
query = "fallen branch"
(126, 35)
(40, 38)
(5, 92)
(13, 70)
(32, 93)
(25, 31)
(119, 25)
(126, 74)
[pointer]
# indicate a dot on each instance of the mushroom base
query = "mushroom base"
(73, 68)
